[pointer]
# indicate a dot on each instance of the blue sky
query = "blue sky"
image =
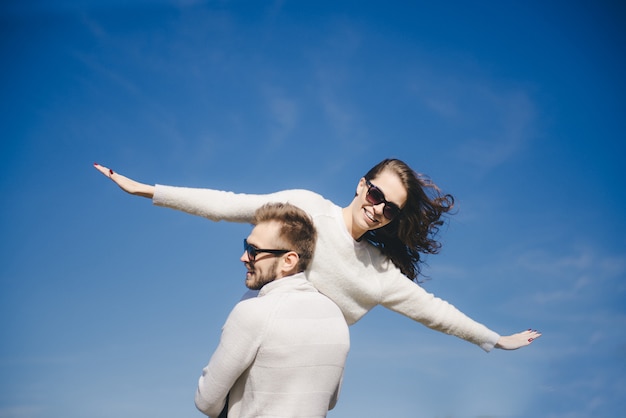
(110, 307)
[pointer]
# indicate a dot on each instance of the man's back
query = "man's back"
(283, 353)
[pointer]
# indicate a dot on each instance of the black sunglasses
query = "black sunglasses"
(375, 196)
(253, 251)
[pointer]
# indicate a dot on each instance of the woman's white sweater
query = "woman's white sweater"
(355, 275)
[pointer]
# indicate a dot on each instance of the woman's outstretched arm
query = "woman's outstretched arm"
(216, 205)
(128, 185)
(519, 340)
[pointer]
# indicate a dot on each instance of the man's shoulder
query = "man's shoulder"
(252, 311)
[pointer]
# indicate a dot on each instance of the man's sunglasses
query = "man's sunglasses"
(253, 251)
(375, 196)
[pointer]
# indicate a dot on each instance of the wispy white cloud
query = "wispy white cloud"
(342, 116)
(446, 378)
(578, 275)
(491, 123)
(21, 411)
(332, 61)
(511, 117)
(283, 115)
(594, 390)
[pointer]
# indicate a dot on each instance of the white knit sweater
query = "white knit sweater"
(281, 354)
(355, 275)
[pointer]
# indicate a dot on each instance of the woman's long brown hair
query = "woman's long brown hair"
(413, 232)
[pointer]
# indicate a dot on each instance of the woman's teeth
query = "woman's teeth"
(370, 216)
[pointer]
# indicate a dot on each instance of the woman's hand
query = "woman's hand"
(128, 185)
(515, 341)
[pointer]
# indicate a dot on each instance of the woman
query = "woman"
(367, 253)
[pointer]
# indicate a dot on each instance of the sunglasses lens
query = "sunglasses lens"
(375, 196)
(249, 249)
(390, 211)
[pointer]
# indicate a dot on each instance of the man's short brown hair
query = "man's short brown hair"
(297, 231)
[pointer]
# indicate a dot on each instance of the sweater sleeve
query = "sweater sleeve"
(218, 205)
(236, 351)
(409, 299)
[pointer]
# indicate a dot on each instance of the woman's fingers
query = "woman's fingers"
(104, 170)
(128, 185)
(515, 341)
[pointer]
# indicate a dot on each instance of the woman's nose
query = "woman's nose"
(378, 209)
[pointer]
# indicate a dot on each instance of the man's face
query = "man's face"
(266, 267)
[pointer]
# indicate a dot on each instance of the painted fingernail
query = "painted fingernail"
(530, 340)
(110, 172)
(96, 164)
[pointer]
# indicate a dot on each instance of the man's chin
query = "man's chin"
(252, 284)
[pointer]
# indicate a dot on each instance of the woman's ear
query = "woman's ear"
(360, 186)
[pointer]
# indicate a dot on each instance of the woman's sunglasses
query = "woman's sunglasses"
(253, 251)
(375, 196)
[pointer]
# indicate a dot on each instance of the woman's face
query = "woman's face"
(368, 216)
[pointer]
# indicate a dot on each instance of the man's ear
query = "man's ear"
(290, 263)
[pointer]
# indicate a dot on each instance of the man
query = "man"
(283, 352)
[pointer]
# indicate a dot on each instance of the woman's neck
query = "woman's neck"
(348, 220)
